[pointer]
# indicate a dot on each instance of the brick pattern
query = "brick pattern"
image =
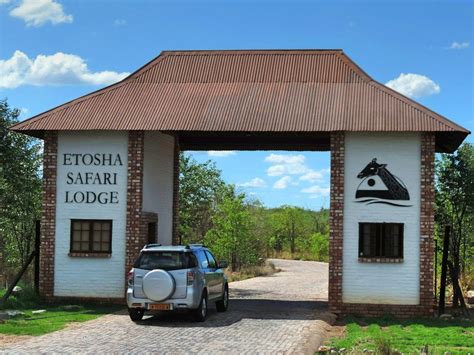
(336, 230)
(176, 239)
(381, 310)
(135, 239)
(427, 203)
(48, 217)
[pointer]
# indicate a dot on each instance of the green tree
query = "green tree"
(20, 189)
(231, 235)
(455, 204)
(199, 184)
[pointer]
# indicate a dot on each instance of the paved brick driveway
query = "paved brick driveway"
(284, 313)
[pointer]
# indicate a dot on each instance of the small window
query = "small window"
(381, 240)
(151, 237)
(212, 261)
(91, 236)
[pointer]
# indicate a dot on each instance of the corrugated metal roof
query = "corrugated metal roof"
(247, 91)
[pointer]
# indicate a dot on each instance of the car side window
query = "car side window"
(212, 261)
(203, 263)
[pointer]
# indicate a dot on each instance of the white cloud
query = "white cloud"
(221, 153)
(282, 183)
(254, 183)
(38, 12)
(313, 176)
(316, 191)
(414, 85)
(120, 22)
(3, 2)
(459, 45)
(286, 164)
(56, 69)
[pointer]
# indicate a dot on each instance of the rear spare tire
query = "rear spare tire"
(158, 285)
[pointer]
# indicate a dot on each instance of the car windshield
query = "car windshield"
(165, 260)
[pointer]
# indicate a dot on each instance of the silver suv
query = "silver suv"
(170, 278)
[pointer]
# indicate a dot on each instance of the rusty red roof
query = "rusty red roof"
(257, 91)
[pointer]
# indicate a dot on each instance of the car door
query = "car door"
(217, 276)
(207, 273)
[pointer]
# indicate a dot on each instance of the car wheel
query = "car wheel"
(223, 304)
(200, 313)
(136, 314)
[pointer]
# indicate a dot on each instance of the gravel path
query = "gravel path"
(281, 314)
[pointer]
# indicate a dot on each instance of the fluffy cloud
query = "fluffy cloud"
(414, 85)
(254, 183)
(2, 2)
(313, 176)
(459, 45)
(221, 153)
(56, 69)
(316, 191)
(286, 164)
(38, 12)
(282, 183)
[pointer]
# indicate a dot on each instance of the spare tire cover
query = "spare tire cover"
(158, 285)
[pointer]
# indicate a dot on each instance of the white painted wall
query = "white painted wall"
(90, 277)
(158, 182)
(382, 283)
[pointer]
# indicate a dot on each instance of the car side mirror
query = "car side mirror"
(222, 264)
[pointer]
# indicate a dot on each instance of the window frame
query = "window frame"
(91, 236)
(380, 241)
(209, 254)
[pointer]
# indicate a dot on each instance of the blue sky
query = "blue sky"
(52, 51)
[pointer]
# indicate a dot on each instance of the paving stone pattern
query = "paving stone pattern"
(282, 314)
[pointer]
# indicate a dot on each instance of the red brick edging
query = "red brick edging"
(336, 222)
(135, 239)
(48, 217)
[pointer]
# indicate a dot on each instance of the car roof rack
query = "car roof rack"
(189, 246)
(152, 245)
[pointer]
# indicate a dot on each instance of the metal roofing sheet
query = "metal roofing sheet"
(246, 91)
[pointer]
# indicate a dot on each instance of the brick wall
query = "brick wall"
(135, 238)
(336, 212)
(427, 222)
(48, 218)
(425, 306)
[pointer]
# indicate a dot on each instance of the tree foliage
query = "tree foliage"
(239, 229)
(20, 189)
(455, 204)
(199, 184)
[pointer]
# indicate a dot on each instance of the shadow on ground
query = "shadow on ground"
(245, 308)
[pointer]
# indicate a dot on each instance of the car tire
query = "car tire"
(223, 304)
(200, 313)
(136, 314)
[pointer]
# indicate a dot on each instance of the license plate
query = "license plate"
(159, 307)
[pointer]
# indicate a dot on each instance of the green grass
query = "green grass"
(408, 336)
(55, 318)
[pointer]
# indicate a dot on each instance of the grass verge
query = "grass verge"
(55, 318)
(266, 269)
(390, 336)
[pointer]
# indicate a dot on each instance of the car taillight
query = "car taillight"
(190, 278)
(130, 277)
